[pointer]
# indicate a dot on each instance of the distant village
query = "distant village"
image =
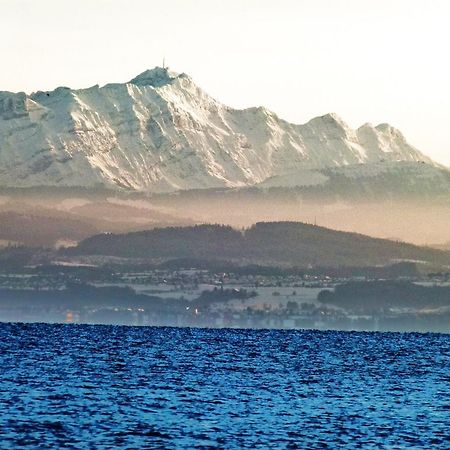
(202, 298)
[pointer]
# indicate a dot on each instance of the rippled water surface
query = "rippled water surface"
(65, 386)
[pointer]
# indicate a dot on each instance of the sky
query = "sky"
(366, 60)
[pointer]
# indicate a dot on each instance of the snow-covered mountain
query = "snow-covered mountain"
(160, 132)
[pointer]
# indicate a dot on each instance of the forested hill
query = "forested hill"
(276, 243)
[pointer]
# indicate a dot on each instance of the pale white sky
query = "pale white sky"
(367, 60)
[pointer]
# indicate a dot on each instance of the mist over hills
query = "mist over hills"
(42, 229)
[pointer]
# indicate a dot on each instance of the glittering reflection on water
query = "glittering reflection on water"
(105, 386)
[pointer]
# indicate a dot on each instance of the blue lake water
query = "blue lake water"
(80, 386)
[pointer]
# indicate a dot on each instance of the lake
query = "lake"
(102, 387)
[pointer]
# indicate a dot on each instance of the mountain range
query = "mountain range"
(158, 151)
(161, 133)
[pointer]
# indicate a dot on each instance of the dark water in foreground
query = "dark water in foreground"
(118, 387)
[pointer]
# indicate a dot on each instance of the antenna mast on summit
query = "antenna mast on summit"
(164, 62)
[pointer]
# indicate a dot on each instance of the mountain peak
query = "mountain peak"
(331, 119)
(386, 127)
(392, 132)
(156, 77)
(131, 137)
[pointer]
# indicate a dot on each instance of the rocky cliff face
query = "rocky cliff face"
(161, 133)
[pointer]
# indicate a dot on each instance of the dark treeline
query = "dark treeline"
(390, 271)
(37, 261)
(381, 295)
(266, 243)
(77, 296)
(16, 257)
